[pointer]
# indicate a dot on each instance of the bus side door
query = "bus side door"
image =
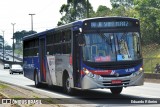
(42, 54)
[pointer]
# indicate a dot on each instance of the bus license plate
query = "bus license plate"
(116, 81)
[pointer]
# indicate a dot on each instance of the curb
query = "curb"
(36, 90)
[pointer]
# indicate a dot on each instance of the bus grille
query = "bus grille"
(108, 83)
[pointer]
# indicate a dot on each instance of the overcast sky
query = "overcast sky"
(47, 14)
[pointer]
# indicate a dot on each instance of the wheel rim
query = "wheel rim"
(36, 79)
(68, 87)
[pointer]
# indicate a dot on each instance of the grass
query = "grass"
(18, 51)
(50, 101)
(2, 86)
(35, 96)
(17, 97)
(151, 55)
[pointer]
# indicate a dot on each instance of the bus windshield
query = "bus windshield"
(105, 47)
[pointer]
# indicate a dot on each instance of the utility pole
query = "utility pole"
(13, 39)
(87, 9)
(3, 45)
(32, 22)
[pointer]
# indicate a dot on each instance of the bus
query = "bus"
(101, 52)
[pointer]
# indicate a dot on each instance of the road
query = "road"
(8, 56)
(98, 97)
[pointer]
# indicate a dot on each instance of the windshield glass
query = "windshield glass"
(16, 66)
(104, 47)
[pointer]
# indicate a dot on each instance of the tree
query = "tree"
(102, 11)
(149, 12)
(119, 3)
(123, 8)
(20, 34)
(74, 10)
(1, 42)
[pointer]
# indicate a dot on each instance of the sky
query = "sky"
(46, 15)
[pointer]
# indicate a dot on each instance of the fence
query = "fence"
(149, 64)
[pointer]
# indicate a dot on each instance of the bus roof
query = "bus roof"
(75, 23)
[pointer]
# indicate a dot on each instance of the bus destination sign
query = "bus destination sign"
(110, 24)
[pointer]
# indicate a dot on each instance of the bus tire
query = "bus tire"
(36, 80)
(66, 85)
(116, 90)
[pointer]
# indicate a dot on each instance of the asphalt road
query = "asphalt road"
(8, 56)
(98, 97)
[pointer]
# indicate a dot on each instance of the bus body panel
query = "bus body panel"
(54, 75)
(62, 64)
(89, 83)
(103, 78)
(30, 65)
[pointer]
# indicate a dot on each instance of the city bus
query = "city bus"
(103, 52)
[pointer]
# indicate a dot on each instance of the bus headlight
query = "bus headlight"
(138, 72)
(88, 73)
(141, 69)
(85, 71)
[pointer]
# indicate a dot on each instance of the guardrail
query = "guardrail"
(11, 62)
(15, 56)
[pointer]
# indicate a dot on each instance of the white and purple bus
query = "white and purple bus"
(87, 54)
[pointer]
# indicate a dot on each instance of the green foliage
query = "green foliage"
(74, 10)
(124, 3)
(102, 11)
(19, 51)
(151, 55)
(2, 86)
(20, 34)
(119, 8)
(149, 13)
(151, 50)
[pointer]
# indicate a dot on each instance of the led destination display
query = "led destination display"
(110, 24)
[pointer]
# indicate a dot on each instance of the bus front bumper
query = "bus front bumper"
(106, 82)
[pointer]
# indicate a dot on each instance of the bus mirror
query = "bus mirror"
(81, 40)
(47, 53)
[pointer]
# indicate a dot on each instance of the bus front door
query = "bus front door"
(76, 61)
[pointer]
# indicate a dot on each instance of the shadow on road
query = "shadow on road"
(93, 96)
(85, 93)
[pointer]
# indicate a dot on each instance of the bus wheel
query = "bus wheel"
(116, 90)
(36, 80)
(66, 85)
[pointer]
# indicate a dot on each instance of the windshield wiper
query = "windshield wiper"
(107, 40)
(111, 43)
